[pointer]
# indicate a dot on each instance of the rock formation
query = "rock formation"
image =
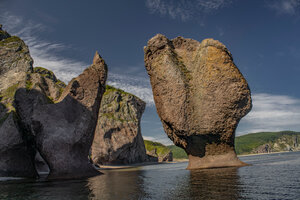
(200, 96)
(118, 138)
(15, 60)
(64, 131)
(15, 150)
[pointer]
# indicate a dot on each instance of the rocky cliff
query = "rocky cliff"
(38, 113)
(63, 132)
(15, 60)
(16, 152)
(118, 138)
(200, 96)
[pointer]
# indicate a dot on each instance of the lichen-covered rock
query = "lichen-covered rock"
(15, 60)
(45, 81)
(16, 152)
(64, 131)
(200, 96)
(118, 138)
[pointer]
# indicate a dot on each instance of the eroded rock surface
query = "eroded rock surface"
(16, 151)
(15, 60)
(200, 96)
(118, 138)
(64, 131)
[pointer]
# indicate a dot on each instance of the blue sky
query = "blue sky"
(262, 35)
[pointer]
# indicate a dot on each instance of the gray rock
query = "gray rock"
(15, 60)
(64, 131)
(118, 138)
(15, 153)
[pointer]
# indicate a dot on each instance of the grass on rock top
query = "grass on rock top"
(161, 149)
(109, 88)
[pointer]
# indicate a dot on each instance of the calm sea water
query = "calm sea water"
(274, 176)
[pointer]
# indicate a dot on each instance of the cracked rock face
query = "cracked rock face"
(200, 96)
(15, 60)
(118, 138)
(64, 131)
(15, 151)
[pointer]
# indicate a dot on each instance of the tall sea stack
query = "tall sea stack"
(200, 97)
(118, 138)
(63, 132)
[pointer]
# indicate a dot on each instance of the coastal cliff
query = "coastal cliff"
(40, 115)
(118, 138)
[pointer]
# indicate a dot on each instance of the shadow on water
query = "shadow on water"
(123, 184)
(41, 190)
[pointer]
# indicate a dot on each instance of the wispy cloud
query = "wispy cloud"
(289, 7)
(48, 54)
(44, 53)
(271, 113)
(161, 139)
(136, 85)
(184, 9)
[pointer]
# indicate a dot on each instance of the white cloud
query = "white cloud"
(184, 9)
(161, 139)
(284, 6)
(271, 113)
(136, 85)
(46, 54)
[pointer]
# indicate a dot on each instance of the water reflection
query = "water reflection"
(120, 184)
(219, 183)
(175, 182)
(42, 190)
(269, 177)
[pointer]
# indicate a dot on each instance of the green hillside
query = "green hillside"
(276, 141)
(178, 153)
(161, 150)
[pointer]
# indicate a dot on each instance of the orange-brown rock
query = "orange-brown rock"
(200, 97)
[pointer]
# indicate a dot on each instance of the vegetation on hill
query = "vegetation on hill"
(271, 141)
(178, 153)
(262, 142)
(161, 150)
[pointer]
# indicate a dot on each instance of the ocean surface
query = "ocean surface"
(271, 176)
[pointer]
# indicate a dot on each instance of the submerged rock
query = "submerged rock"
(118, 138)
(64, 131)
(200, 96)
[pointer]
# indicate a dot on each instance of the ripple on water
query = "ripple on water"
(274, 176)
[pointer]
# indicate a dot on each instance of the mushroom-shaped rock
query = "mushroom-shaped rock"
(64, 131)
(200, 96)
